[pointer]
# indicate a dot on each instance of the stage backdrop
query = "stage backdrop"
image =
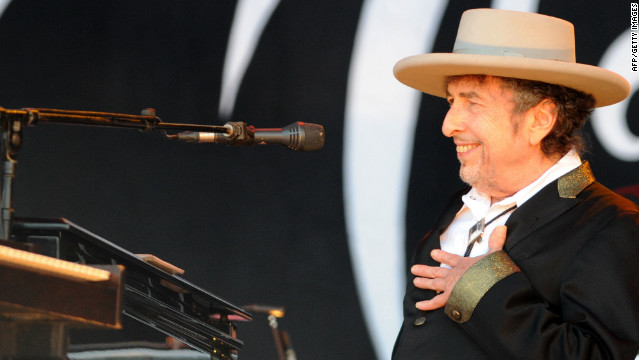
(324, 234)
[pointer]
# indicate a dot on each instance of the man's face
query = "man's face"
(491, 149)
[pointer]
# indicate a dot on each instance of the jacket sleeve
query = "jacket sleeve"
(598, 313)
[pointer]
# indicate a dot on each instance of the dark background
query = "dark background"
(252, 225)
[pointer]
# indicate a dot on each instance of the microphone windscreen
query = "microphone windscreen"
(305, 136)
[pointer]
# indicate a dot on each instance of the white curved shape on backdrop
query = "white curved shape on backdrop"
(380, 118)
(3, 6)
(610, 122)
(250, 18)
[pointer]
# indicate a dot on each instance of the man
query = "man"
(536, 260)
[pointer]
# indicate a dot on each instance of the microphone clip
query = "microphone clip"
(239, 133)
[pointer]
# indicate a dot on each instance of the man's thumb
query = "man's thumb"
(497, 238)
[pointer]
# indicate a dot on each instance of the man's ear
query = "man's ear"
(542, 119)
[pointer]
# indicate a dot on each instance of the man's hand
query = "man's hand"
(442, 279)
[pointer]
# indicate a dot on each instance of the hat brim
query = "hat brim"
(427, 73)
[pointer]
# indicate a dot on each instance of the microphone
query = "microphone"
(298, 136)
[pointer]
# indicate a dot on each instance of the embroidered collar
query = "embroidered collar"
(572, 183)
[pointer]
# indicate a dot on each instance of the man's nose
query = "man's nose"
(453, 122)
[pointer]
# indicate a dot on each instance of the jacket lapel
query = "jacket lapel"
(432, 239)
(553, 200)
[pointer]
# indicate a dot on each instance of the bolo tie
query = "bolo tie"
(477, 230)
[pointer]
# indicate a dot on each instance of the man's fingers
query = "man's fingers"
(429, 277)
(429, 271)
(437, 284)
(436, 302)
(446, 258)
(497, 238)
(442, 279)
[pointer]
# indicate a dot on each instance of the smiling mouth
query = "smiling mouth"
(464, 148)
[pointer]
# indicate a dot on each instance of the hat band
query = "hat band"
(495, 52)
(567, 55)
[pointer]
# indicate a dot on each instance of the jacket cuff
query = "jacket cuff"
(476, 282)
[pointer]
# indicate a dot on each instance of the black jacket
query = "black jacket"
(576, 296)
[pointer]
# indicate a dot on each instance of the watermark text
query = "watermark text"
(634, 36)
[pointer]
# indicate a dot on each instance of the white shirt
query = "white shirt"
(478, 205)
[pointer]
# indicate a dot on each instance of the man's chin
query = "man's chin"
(467, 175)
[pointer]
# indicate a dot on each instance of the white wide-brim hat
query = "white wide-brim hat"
(513, 44)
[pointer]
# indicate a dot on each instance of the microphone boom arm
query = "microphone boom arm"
(147, 121)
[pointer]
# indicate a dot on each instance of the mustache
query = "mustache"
(465, 139)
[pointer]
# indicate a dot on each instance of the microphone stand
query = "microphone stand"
(12, 123)
(281, 340)
(280, 337)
